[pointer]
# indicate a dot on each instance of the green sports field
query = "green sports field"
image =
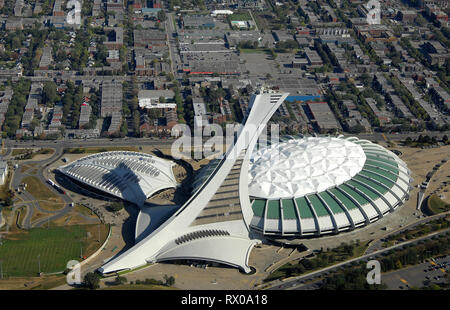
(56, 246)
(241, 16)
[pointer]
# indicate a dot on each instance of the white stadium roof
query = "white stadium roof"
(353, 183)
(303, 166)
(131, 176)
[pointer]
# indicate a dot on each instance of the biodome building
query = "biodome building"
(298, 187)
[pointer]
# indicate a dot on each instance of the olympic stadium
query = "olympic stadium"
(300, 187)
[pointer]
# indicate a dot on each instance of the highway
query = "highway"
(157, 142)
(73, 143)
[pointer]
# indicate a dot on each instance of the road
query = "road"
(71, 143)
(175, 59)
(157, 142)
(299, 281)
(30, 201)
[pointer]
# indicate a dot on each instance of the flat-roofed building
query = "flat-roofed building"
(407, 16)
(56, 117)
(149, 37)
(32, 104)
(85, 114)
(198, 21)
(401, 110)
(323, 116)
(97, 8)
(111, 98)
(58, 9)
(5, 99)
(18, 7)
(46, 58)
(150, 99)
(116, 122)
(440, 96)
(114, 37)
(382, 115)
(13, 23)
(115, 6)
(313, 58)
(200, 113)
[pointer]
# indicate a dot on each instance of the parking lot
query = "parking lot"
(419, 275)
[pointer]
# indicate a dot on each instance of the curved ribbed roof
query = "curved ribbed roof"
(379, 186)
(131, 176)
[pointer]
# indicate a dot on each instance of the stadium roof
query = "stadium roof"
(302, 166)
(131, 176)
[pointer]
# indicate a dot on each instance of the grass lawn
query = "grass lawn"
(33, 152)
(51, 282)
(253, 50)
(437, 205)
(47, 199)
(32, 283)
(83, 210)
(241, 16)
(55, 245)
(16, 152)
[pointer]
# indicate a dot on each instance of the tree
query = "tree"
(9, 202)
(92, 280)
(120, 280)
(408, 141)
(162, 15)
(49, 95)
(116, 206)
(169, 281)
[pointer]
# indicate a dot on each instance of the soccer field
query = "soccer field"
(21, 252)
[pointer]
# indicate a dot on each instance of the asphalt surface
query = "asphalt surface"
(73, 143)
(418, 275)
